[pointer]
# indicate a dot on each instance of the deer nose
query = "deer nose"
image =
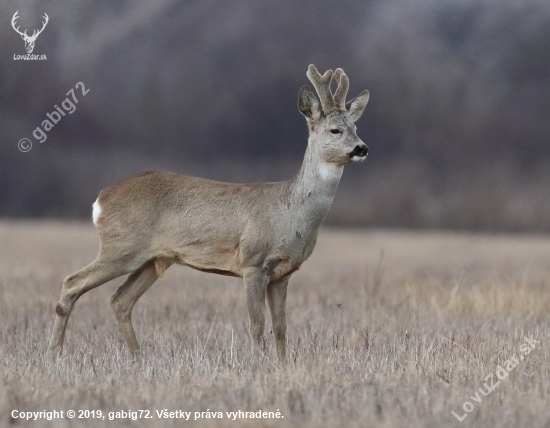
(359, 150)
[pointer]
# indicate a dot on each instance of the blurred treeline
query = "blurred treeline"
(458, 124)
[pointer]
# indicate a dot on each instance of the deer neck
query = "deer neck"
(313, 189)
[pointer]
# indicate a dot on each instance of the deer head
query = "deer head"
(330, 118)
(29, 40)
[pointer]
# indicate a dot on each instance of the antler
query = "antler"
(36, 33)
(329, 102)
(342, 90)
(13, 24)
(322, 86)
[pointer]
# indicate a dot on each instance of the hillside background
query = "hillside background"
(458, 123)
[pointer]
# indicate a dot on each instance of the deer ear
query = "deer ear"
(356, 107)
(309, 105)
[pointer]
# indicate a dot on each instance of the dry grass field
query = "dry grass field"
(386, 329)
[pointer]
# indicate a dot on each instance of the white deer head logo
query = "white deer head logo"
(29, 40)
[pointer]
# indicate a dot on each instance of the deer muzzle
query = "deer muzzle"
(359, 153)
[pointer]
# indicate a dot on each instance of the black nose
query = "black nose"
(360, 151)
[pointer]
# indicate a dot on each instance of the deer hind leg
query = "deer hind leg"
(255, 283)
(128, 294)
(74, 286)
(276, 300)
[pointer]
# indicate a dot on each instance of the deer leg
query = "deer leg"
(255, 283)
(276, 300)
(126, 297)
(74, 286)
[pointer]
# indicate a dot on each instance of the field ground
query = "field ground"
(386, 329)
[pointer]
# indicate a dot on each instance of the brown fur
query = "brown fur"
(261, 232)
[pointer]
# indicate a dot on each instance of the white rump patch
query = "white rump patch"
(96, 212)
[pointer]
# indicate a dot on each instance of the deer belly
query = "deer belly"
(222, 261)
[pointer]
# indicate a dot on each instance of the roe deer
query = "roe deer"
(261, 232)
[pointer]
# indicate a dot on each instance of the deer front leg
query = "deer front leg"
(255, 283)
(276, 299)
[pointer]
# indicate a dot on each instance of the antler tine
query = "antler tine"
(322, 86)
(13, 19)
(342, 90)
(46, 19)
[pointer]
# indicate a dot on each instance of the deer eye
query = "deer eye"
(335, 131)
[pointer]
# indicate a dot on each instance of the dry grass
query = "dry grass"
(386, 329)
